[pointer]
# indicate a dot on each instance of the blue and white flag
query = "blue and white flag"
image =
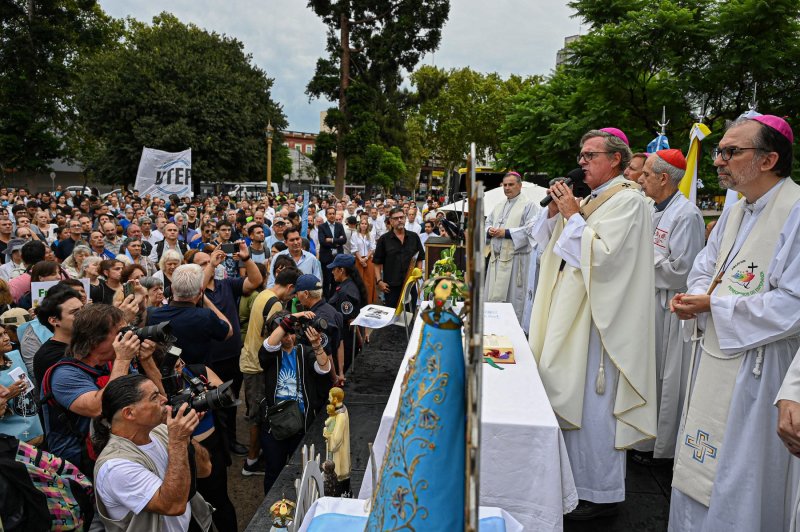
(304, 215)
(661, 142)
(162, 173)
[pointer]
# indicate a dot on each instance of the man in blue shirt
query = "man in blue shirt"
(305, 261)
(195, 328)
(77, 392)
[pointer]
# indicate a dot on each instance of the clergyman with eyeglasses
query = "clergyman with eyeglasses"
(743, 296)
(591, 330)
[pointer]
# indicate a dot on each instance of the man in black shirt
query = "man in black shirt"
(393, 255)
(308, 290)
(57, 313)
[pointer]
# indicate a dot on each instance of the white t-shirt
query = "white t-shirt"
(124, 487)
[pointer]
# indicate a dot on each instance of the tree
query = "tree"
(370, 44)
(461, 106)
(173, 86)
(39, 44)
(695, 57)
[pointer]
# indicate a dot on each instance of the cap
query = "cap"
(617, 133)
(673, 157)
(15, 244)
(342, 261)
(307, 282)
(278, 220)
(778, 124)
(15, 316)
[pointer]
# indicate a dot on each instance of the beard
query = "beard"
(735, 180)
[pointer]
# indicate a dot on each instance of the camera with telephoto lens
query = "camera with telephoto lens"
(160, 333)
(186, 387)
(302, 323)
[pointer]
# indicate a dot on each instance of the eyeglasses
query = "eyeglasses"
(397, 218)
(728, 152)
(589, 155)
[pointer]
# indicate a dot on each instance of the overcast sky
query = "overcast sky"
(285, 39)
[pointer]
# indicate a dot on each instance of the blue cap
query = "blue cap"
(342, 261)
(307, 282)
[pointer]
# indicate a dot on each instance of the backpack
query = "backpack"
(43, 492)
(67, 418)
(160, 248)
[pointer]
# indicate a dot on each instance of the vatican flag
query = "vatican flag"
(688, 184)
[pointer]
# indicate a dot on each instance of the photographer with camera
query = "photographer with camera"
(295, 379)
(193, 327)
(308, 291)
(268, 303)
(149, 464)
(72, 389)
(204, 391)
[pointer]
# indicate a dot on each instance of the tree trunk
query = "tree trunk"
(341, 160)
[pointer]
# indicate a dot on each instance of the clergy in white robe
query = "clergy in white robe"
(594, 348)
(788, 403)
(732, 471)
(506, 234)
(678, 236)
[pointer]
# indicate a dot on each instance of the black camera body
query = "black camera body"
(302, 323)
(186, 387)
(160, 333)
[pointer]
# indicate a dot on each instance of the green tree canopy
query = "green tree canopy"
(461, 106)
(695, 57)
(39, 44)
(371, 43)
(172, 86)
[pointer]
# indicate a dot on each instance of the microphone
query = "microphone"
(576, 175)
(548, 199)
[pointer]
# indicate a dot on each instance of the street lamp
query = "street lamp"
(53, 180)
(270, 131)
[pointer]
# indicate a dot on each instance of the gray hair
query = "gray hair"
(169, 255)
(660, 166)
(151, 282)
(88, 261)
(187, 282)
(613, 144)
(315, 294)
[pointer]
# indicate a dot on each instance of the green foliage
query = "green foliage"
(460, 106)
(39, 44)
(382, 167)
(172, 86)
(386, 39)
(446, 267)
(692, 56)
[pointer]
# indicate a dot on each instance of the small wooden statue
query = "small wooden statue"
(337, 438)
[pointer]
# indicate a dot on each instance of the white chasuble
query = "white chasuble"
(732, 471)
(609, 291)
(507, 271)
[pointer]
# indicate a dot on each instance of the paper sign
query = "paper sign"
(39, 290)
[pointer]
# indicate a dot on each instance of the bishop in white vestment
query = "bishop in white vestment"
(678, 236)
(732, 471)
(507, 272)
(594, 350)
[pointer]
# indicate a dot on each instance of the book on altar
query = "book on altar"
(498, 348)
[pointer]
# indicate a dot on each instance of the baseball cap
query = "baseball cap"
(307, 282)
(15, 244)
(342, 261)
(15, 316)
(278, 220)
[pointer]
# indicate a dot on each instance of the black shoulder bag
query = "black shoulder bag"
(285, 419)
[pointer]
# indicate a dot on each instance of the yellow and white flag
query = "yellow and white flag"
(688, 184)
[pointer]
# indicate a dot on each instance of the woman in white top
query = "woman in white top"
(362, 245)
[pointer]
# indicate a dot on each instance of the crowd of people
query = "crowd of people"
(252, 299)
(652, 334)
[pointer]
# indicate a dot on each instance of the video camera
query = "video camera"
(186, 387)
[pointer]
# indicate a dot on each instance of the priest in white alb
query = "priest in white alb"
(678, 236)
(594, 347)
(743, 303)
(507, 236)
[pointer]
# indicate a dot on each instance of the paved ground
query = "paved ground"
(645, 510)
